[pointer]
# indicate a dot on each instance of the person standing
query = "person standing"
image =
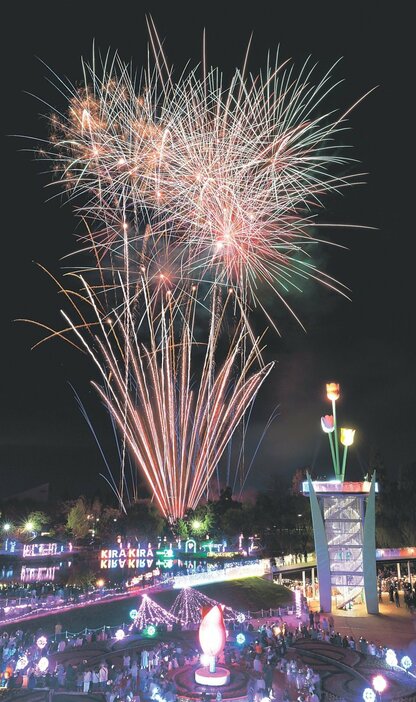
(134, 671)
(257, 664)
(268, 678)
(95, 680)
(60, 674)
(397, 598)
(87, 680)
(103, 677)
(144, 659)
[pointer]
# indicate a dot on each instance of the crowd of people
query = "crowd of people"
(141, 671)
(389, 582)
(267, 655)
(321, 628)
(132, 675)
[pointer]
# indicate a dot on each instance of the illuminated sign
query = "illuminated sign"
(30, 550)
(136, 558)
(33, 550)
(210, 547)
(10, 546)
(338, 486)
(165, 558)
(30, 575)
(391, 553)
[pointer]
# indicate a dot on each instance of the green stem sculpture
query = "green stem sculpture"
(337, 471)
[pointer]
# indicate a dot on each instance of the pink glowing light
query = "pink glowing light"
(212, 634)
(379, 683)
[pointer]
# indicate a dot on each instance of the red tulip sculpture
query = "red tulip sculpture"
(212, 634)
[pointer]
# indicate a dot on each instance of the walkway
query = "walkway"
(393, 627)
(345, 673)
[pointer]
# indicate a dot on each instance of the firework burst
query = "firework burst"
(197, 198)
(174, 402)
(232, 176)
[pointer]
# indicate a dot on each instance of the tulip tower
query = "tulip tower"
(343, 517)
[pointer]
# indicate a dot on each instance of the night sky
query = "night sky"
(366, 344)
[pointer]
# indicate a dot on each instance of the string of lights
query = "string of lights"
(188, 605)
(150, 612)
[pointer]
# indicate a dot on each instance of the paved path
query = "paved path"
(393, 627)
(345, 673)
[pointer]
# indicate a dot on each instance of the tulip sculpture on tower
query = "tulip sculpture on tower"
(329, 426)
(343, 518)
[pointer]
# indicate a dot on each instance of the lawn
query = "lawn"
(245, 594)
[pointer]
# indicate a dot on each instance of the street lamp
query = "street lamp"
(29, 526)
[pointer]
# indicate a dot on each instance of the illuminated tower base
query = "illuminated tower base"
(343, 517)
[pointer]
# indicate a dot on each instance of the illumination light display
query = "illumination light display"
(212, 634)
(197, 201)
(329, 426)
(343, 516)
(212, 637)
(369, 695)
(120, 634)
(137, 557)
(41, 642)
(150, 612)
(188, 605)
(379, 683)
(298, 604)
(219, 575)
(22, 662)
(406, 662)
(391, 658)
(43, 664)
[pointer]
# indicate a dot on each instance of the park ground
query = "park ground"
(393, 627)
(251, 594)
